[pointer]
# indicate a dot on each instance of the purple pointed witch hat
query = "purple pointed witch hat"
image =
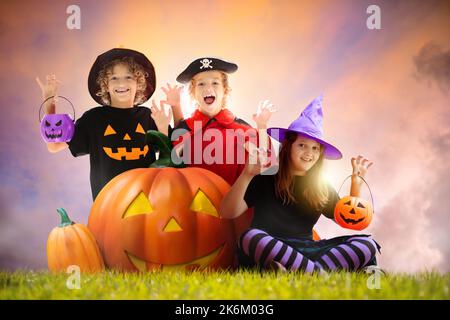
(309, 124)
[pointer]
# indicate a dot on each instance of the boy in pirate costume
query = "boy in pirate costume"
(114, 134)
(213, 125)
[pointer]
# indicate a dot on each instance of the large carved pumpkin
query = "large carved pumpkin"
(72, 244)
(162, 218)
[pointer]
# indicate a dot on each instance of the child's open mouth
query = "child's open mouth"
(209, 99)
(121, 90)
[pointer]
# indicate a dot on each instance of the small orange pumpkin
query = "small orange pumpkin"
(72, 244)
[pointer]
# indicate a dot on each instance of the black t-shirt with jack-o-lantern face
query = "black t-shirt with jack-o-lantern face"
(114, 138)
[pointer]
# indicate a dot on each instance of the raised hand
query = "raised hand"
(173, 99)
(162, 120)
(361, 165)
(49, 89)
(263, 114)
(258, 160)
(172, 94)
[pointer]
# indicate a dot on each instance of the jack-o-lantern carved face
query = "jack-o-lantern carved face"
(153, 219)
(126, 144)
(353, 213)
(57, 128)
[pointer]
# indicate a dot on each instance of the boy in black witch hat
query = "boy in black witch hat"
(114, 134)
(208, 86)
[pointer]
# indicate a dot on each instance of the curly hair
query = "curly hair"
(135, 68)
(226, 88)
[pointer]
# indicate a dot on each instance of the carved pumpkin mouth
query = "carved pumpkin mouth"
(123, 154)
(351, 221)
(143, 265)
(52, 135)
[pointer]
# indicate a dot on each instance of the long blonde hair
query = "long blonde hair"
(316, 191)
(135, 68)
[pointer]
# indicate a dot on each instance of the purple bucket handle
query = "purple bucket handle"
(40, 108)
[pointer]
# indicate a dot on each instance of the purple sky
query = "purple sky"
(386, 95)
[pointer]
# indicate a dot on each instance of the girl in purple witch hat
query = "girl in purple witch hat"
(288, 205)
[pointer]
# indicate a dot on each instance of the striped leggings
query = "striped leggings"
(263, 249)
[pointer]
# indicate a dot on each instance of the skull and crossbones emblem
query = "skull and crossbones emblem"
(206, 63)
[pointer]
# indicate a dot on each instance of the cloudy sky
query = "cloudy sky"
(386, 96)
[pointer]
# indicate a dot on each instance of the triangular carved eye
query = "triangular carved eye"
(139, 129)
(348, 203)
(202, 204)
(172, 226)
(47, 124)
(109, 130)
(58, 123)
(140, 205)
(360, 205)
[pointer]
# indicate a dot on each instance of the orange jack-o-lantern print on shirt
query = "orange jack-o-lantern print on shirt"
(124, 145)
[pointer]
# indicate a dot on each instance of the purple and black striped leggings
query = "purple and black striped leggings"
(263, 249)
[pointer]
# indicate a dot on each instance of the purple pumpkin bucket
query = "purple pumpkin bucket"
(57, 127)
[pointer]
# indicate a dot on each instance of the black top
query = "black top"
(285, 221)
(114, 138)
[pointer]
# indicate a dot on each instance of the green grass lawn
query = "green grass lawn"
(225, 285)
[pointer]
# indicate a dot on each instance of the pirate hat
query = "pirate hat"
(119, 53)
(205, 64)
(309, 124)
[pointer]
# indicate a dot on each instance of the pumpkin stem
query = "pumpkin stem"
(65, 220)
(162, 142)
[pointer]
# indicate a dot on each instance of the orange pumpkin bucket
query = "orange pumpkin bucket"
(354, 212)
